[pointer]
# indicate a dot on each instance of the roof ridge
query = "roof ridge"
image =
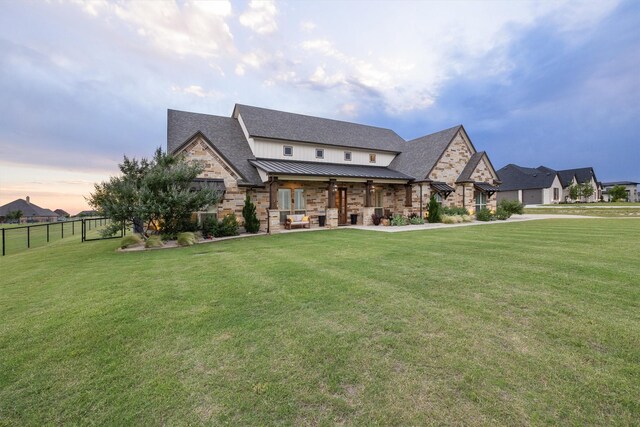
(457, 127)
(316, 117)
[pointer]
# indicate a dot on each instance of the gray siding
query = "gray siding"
(532, 197)
(507, 195)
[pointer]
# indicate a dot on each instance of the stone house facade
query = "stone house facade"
(334, 172)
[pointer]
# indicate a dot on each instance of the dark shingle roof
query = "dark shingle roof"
(516, 177)
(61, 212)
(465, 175)
(223, 133)
(289, 167)
(614, 183)
(262, 122)
(28, 209)
(420, 155)
(582, 175)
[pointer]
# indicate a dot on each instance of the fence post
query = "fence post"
(62, 232)
(73, 228)
(28, 237)
(47, 232)
(82, 233)
(3, 242)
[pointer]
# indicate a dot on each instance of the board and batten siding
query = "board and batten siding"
(268, 149)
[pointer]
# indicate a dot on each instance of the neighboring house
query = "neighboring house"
(630, 186)
(569, 177)
(530, 186)
(543, 185)
(87, 213)
(328, 169)
(62, 213)
(30, 212)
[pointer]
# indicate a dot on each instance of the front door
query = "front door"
(341, 204)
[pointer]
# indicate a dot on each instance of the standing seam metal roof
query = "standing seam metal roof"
(289, 167)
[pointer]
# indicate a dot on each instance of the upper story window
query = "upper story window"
(319, 153)
(372, 158)
(347, 156)
(287, 150)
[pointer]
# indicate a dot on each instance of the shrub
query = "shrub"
(376, 219)
(130, 240)
(502, 214)
(484, 214)
(251, 221)
(416, 220)
(227, 227)
(153, 242)
(467, 218)
(447, 219)
(186, 239)
(454, 211)
(435, 213)
(398, 220)
(618, 193)
(209, 226)
(511, 207)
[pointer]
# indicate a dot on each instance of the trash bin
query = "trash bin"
(321, 220)
(354, 219)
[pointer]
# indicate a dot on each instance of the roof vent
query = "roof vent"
(535, 174)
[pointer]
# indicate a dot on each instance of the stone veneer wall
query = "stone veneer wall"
(450, 166)
(482, 173)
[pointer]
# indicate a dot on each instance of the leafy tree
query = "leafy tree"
(435, 214)
(14, 215)
(152, 192)
(574, 192)
(618, 193)
(251, 221)
(586, 190)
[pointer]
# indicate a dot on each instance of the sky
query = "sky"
(554, 83)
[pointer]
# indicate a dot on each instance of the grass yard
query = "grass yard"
(511, 324)
(587, 211)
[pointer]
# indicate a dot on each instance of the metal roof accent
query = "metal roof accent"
(442, 187)
(216, 185)
(485, 187)
(289, 167)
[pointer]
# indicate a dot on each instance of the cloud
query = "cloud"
(197, 91)
(260, 16)
(307, 26)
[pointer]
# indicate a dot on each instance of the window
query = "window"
(378, 201)
(556, 194)
(319, 153)
(372, 158)
(438, 197)
(284, 203)
(299, 203)
(347, 156)
(481, 201)
(287, 150)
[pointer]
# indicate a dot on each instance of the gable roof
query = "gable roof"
(61, 212)
(582, 175)
(516, 177)
(224, 134)
(420, 155)
(274, 124)
(465, 175)
(28, 209)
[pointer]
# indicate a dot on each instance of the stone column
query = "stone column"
(332, 218)
(469, 198)
(273, 218)
(273, 193)
(368, 196)
(331, 195)
(408, 196)
(366, 215)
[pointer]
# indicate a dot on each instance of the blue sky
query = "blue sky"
(554, 83)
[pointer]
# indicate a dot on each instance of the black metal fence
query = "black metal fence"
(23, 237)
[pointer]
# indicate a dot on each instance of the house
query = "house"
(30, 211)
(630, 186)
(530, 186)
(569, 177)
(62, 213)
(328, 169)
(543, 185)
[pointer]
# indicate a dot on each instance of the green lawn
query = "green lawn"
(586, 211)
(596, 204)
(505, 324)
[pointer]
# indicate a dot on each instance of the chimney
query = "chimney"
(28, 199)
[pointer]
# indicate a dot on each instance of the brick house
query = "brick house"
(327, 169)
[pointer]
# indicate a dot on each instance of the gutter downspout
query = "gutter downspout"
(421, 216)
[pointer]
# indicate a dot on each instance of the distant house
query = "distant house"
(580, 176)
(531, 186)
(87, 213)
(630, 186)
(30, 211)
(62, 213)
(543, 185)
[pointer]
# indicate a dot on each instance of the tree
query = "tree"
(434, 214)
(152, 192)
(14, 215)
(618, 193)
(574, 192)
(251, 221)
(586, 190)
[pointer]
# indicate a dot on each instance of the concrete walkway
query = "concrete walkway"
(570, 206)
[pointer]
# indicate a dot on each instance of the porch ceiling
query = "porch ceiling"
(288, 167)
